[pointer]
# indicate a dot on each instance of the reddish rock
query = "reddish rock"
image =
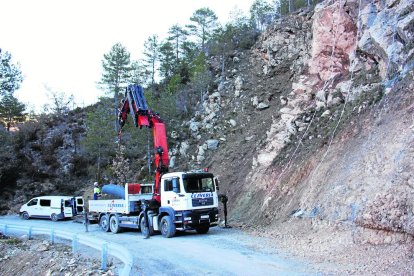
(333, 31)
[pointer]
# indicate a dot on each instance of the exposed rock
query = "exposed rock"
(262, 106)
(194, 126)
(212, 144)
(232, 122)
(238, 85)
(326, 113)
(332, 25)
(174, 134)
(172, 161)
(209, 117)
(220, 86)
(184, 147)
(255, 101)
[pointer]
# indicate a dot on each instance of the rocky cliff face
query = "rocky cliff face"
(316, 120)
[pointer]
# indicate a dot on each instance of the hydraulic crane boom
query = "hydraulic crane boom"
(134, 102)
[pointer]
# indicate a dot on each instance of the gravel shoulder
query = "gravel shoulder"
(340, 248)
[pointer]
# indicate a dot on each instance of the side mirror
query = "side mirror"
(216, 184)
(176, 185)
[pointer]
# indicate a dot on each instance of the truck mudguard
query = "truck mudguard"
(169, 210)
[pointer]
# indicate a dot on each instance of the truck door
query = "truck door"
(170, 192)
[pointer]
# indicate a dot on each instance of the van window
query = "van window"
(45, 202)
(68, 203)
(32, 202)
(79, 201)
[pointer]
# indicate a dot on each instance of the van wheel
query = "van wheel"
(104, 223)
(114, 225)
(25, 215)
(54, 217)
(202, 229)
(167, 227)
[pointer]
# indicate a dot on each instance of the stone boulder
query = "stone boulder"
(212, 144)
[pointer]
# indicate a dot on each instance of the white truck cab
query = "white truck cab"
(188, 191)
(53, 207)
(189, 201)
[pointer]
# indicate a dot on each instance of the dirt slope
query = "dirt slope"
(315, 129)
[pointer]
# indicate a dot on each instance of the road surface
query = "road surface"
(219, 252)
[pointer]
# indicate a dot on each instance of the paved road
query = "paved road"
(220, 252)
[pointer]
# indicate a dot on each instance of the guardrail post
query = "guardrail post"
(29, 233)
(52, 236)
(104, 255)
(86, 222)
(74, 243)
(5, 230)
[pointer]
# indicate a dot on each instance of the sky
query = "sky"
(60, 43)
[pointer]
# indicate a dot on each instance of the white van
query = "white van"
(53, 207)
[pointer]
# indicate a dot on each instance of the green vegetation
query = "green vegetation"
(10, 79)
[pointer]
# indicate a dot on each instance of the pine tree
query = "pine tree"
(10, 108)
(138, 74)
(99, 142)
(116, 73)
(151, 53)
(205, 23)
(10, 74)
(177, 37)
(167, 60)
(261, 13)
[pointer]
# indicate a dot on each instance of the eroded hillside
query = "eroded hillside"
(316, 121)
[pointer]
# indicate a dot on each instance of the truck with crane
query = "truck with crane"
(176, 201)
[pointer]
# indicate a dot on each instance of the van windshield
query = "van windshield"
(32, 202)
(198, 183)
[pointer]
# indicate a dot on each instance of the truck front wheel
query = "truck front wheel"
(114, 225)
(104, 223)
(202, 229)
(167, 227)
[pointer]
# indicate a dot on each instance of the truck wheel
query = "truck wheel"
(202, 229)
(54, 217)
(114, 225)
(25, 215)
(104, 223)
(167, 227)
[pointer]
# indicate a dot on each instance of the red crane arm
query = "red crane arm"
(134, 102)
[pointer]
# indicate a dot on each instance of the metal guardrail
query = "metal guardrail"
(106, 248)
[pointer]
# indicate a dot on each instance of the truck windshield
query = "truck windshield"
(198, 184)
